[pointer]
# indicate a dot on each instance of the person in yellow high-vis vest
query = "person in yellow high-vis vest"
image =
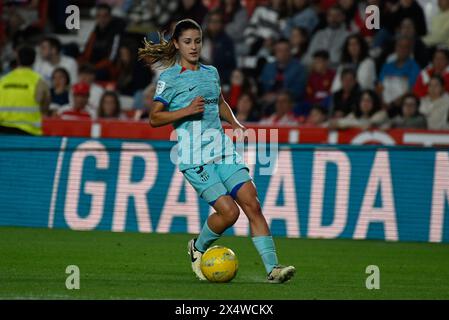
(24, 97)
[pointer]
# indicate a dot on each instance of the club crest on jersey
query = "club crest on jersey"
(204, 176)
(160, 87)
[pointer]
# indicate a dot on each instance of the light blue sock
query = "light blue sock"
(206, 238)
(266, 249)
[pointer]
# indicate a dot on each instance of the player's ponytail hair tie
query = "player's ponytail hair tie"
(165, 53)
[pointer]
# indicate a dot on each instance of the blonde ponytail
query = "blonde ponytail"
(165, 53)
(159, 54)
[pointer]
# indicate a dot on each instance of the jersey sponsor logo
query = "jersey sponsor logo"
(160, 87)
(190, 89)
(211, 101)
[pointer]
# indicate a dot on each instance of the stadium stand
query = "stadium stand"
(243, 40)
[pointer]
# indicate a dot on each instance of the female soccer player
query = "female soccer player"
(188, 96)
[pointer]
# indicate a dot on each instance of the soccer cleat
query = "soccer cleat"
(195, 257)
(281, 274)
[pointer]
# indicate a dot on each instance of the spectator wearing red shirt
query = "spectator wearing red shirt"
(79, 110)
(439, 66)
(239, 85)
(318, 89)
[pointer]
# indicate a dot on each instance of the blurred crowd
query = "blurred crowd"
(281, 62)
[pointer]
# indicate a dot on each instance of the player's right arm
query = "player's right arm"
(159, 116)
(166, 90)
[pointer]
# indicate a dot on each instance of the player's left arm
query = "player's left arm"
(227, 114)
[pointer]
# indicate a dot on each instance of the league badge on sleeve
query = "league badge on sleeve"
(160, 87)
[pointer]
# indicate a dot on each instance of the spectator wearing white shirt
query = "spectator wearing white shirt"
(435, 106)
(439, 29)
(50, 58)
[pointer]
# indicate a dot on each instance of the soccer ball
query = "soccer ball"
(219, 264)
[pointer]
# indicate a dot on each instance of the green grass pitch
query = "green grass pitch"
(156, 266)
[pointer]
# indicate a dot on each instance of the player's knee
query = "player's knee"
(232, 214)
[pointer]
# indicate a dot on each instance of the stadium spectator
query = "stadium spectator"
(330, 38)
(2, 37)
(86, 73)
(24, 97)
(439, 66)
(118, 7)
(392, 14)
(355, 17)
(409, 118)
(420, 52)
(192, 9)
(283, 114)
(304, 16)
(367, 114)
(246, 110)
(344, 101)
(101, 47)
(23, 20)
(383, 35)
(283, 73)
(398, 76)
(80, 108)
(144, 15)
(319, 81)
(299, 41)
(110, 106)
(60, 89)
(324, 5)
(316, 118)
(239, 84)
(435, 106)
(355, 55)
(129, 73)
(218, 48)
(50, 58)
(439, 29)
(265, 25)
(235, 19)
(405, 9)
